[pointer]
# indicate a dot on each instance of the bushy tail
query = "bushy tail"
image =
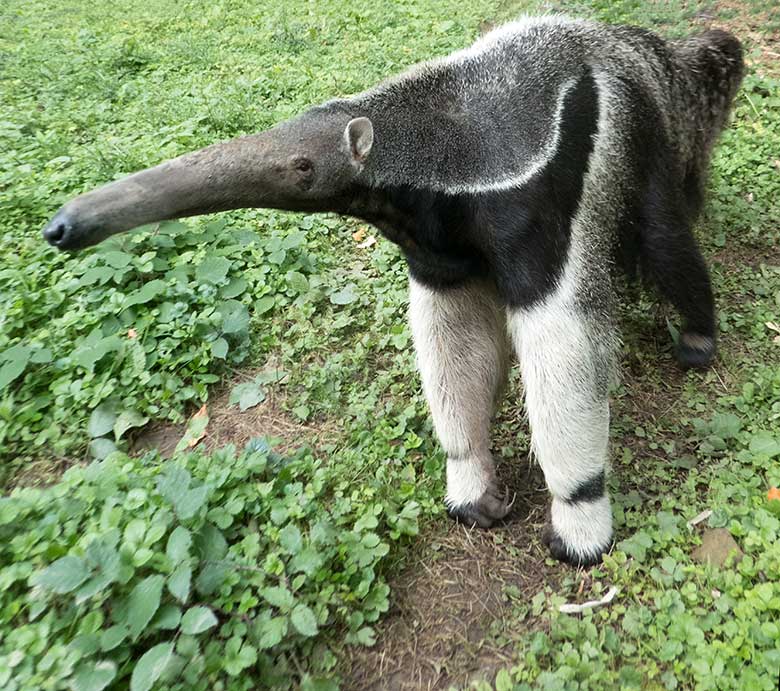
(716, 67)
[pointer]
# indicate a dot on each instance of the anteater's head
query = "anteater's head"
(309, 163)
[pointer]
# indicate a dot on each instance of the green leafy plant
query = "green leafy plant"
(183, 573)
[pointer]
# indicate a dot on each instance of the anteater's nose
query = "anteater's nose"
(55, 231)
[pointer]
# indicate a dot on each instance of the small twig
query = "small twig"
(703, 516)
(569, 608)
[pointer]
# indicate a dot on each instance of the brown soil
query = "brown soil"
(450, 603)
(228, 424)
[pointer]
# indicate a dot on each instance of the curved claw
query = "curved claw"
(485, 512)
(562, 552)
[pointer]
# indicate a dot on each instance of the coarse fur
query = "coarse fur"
(514, 175)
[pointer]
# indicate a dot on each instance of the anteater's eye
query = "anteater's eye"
(303, 165)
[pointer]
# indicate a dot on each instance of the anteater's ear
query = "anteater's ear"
(359, 136)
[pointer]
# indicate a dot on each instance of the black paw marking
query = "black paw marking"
(490, 508)
(562, 552)
(695, 350)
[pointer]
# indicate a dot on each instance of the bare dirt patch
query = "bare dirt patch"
(228, 424)
(450, 604)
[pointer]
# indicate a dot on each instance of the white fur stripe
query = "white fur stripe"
(584, 527)
(531, 168)
(467, 479)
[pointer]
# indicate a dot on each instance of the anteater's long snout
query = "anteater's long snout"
(230, 175)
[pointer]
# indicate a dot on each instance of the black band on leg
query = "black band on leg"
(591, 489)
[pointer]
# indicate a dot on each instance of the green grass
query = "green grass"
(91, 92)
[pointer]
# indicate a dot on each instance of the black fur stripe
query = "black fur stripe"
(589, 490)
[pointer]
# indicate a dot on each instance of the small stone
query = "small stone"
(716, 547)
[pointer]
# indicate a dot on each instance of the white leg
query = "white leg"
(462, 352)
(566, 360)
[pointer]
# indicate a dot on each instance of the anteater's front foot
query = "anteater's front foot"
(579, 533)
(484, 512)
(695, 350)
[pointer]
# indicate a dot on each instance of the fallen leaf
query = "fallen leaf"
(359, 234)
(773, 494)
(368, 242)
(773, 326)
(132, 333)
(196, 430)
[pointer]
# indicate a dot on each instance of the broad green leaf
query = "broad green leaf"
(278, 597)
(366, 636)
(304, 621)
(233, 289)
(297, 282)
(135, 532)
(102, 420)
(16, 359)
(345, 296)
(146, 293)
(167, 617)
(93, 676)
(179, 541)
(293, 240)
(235, 316)
(264, 304)
(219, 348)
(766, 444)
(211, 577)
(290, 538)
(118, 260)
(238, 656)
(42, 356)
(210, 543)
(143, 603)
(101, 447)
(270, 633)
(88, 355)
(126, 420)
(213, 269)
(64, 575)
(504, 681)
(173, 481)
(310, 683)
(150, 667)
(190, 502)
(179, 582)
(307, 561)
(197, 620)
(112, 637)
(247, 395)
(97, 274)
(725, 425)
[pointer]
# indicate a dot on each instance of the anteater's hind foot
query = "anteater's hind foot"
(695, 351)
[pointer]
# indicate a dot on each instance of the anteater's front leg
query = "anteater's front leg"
(462, 352)
(566, 361)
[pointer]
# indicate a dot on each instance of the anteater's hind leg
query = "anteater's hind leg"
(672, 260)
(463, 353)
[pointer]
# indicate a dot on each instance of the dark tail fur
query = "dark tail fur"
(716, 67)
